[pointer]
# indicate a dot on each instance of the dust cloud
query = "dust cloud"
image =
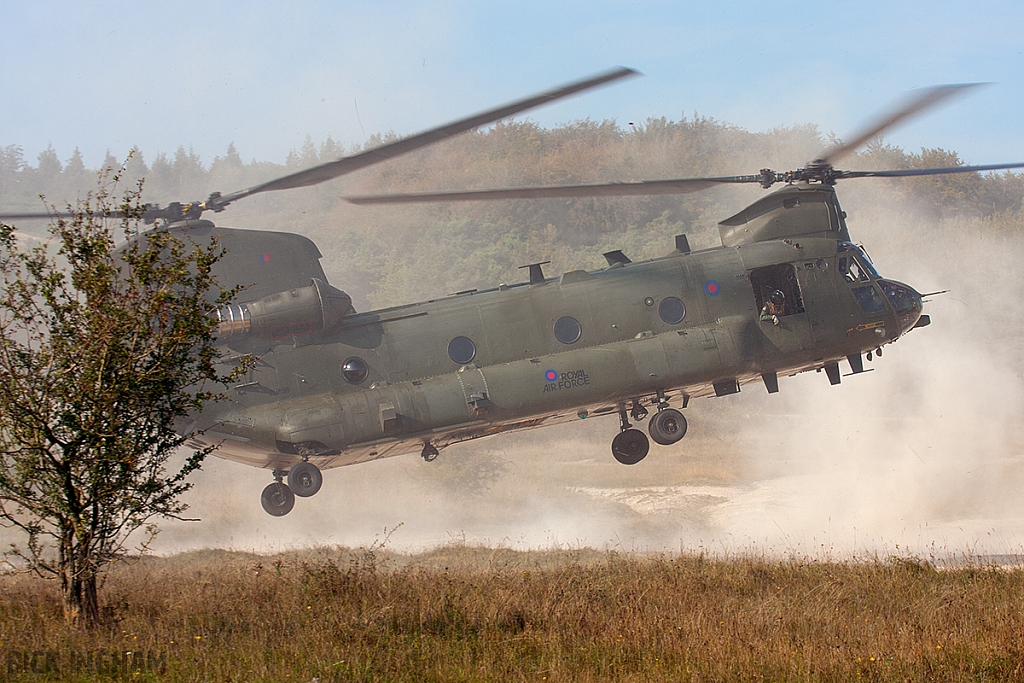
(922, 455)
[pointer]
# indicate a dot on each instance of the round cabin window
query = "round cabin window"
(672, 310)
(461, 350)
(354, 370)
(567, 330)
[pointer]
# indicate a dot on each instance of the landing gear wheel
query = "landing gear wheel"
(305, 479)
(630, 446)
(278, 500)
(667, 426)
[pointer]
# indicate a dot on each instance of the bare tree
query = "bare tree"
(102, 350)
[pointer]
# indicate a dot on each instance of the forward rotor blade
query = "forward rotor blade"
(28, 216)
(644, 187)
(38, 215)
(334, 169)
(918, 101)
(924, 171)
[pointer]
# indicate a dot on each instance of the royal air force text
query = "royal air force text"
(572, 379)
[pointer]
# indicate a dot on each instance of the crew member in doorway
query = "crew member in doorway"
(774, 307)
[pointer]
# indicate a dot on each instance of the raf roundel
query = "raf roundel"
(551, 376)
(712, 287)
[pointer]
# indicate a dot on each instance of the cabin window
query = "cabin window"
(461, 350)
(354, 370)
(778, 286)
(869, 299)
(567, 330)
(672, 310)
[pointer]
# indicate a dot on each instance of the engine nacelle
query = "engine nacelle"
(293, 313)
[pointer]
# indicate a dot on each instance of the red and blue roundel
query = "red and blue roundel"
(712, 287)
(551, 376)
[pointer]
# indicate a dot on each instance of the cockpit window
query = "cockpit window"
(870, 267)
(869, 299)
(861, 257)
(905, 301)
(851, 270)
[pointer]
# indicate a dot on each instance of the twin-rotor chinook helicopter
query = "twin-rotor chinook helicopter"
(788, 291)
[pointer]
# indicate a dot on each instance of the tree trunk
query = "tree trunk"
(81, 606)
(78, 581)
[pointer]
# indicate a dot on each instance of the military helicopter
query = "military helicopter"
(787, 292)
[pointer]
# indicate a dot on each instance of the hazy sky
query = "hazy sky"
(108, 75)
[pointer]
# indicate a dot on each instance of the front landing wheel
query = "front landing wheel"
(667, 426)
(305, 479)
(630, 446)
(278, 500)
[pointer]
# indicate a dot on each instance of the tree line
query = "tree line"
(390, 255)
(103, 351)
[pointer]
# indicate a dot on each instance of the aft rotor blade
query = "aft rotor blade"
(918, 101)
(643, 187)
(334, 169)
(924, 171)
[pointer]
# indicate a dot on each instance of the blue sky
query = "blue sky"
(109, 75)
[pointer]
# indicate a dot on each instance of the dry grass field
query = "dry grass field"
(463, 613)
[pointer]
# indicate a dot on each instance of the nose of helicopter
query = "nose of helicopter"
(907, 303)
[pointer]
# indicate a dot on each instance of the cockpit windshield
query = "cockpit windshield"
(862, 256)
(855, 264)
(905, 301)
(851, 270)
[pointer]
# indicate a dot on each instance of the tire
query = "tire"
(667, 427)
(277, 499)
(630, 446)
(305, 479)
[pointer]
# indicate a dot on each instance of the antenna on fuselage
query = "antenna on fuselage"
(536, 274)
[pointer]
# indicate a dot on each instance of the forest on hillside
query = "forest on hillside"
(390, 255)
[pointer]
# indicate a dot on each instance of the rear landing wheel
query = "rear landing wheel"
(305, 479)
(278, 500)
(630, 446)
(667, 426)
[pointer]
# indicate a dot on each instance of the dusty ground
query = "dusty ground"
(815, 471)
